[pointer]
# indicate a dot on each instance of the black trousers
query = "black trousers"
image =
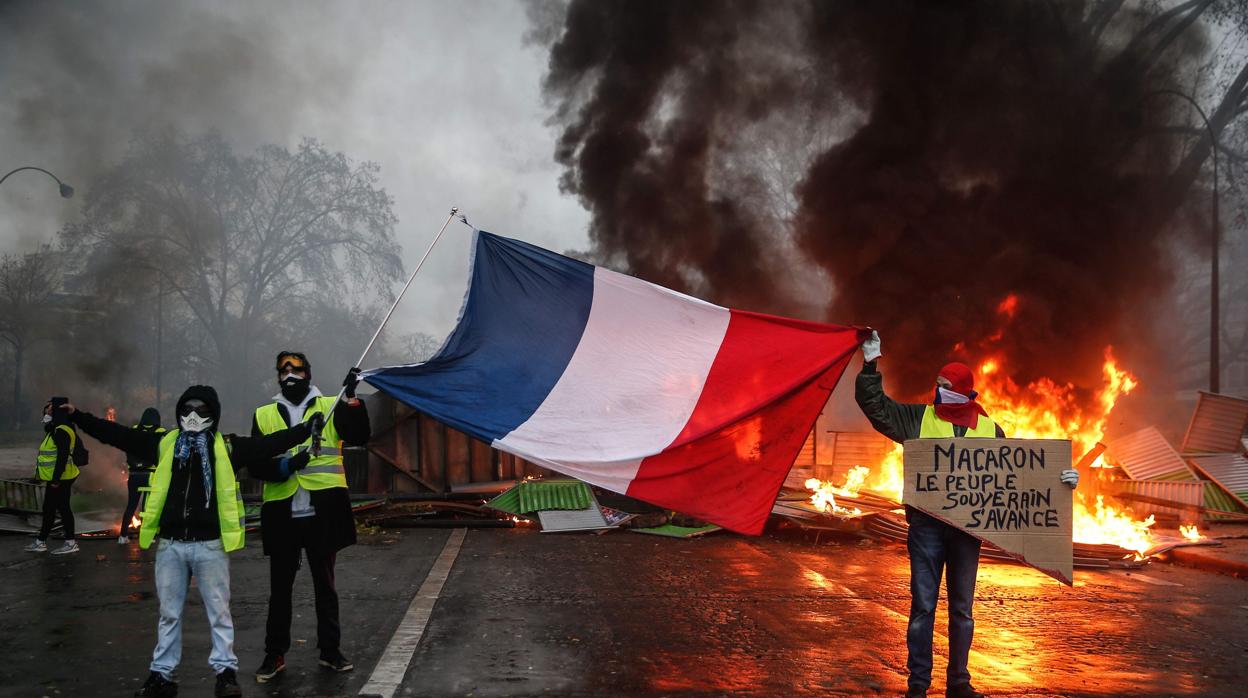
(282, 570)
(56, 501)
(138, 478)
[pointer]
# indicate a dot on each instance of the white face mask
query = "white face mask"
(47, 419)
(194, 423)
(949, 397)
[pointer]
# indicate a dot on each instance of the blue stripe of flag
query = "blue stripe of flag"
(525, 313)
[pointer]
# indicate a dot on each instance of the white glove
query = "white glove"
(1070, 478)
(871, 347)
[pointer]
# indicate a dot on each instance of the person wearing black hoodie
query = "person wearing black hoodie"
(196, 510)
(308, 512)
(55, 466)
(140, 472)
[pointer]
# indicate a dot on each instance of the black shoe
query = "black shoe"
(334, 661)
(272, 665)
(157, 686)
(966, 690)
(227, 684)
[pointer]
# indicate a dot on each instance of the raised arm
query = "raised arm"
(351, 422)
(144, 445)
(898, 421)
(63, 450)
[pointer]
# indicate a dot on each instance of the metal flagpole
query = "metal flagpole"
(316, 445)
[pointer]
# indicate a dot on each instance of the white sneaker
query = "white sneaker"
(71, 546)
(37, 547)
(123, 540)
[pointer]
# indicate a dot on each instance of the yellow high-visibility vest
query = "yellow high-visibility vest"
(230, 510)
(45, 461)
(324, 471)
(934, 427)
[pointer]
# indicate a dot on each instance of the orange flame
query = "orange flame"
(825, 493)
(1045, 409)
(1191, 533)
(111, 414)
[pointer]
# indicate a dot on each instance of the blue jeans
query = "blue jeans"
(934, 547)
(176, 562)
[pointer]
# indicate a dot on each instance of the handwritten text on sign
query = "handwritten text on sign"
(1004, 491)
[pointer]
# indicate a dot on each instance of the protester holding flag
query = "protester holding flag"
(934, 545)
(196, 509)
(307, 510)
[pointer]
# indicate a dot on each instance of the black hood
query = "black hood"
(202, 392)
(151, 417)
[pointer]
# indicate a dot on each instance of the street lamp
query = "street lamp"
(1214, 341)
(66, 190)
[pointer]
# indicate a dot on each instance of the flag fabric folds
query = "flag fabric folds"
(627, 385)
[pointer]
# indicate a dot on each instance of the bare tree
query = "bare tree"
(27, 284)
(244, 242)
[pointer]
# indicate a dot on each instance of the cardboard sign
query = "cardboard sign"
(1002, 491)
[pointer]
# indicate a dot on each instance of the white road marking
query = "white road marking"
(388, 673)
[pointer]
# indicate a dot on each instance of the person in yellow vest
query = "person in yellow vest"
(307, 511)
(935, 548)
(140, 472)
(55, 466)
(195, 508)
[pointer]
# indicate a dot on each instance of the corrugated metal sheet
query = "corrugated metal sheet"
(1229, 469)
(1221, 500)
(1190, 493)
(22, 495)
(542, 495)
(1217, 425)
(850, 448)
(806, 457)
(1146, 455)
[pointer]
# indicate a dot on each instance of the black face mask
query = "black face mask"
(294, 388)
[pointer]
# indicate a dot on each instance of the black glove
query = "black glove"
(299, 461)
(316, 423)
(352, 380)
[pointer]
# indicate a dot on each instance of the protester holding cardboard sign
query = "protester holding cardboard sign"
(934, 545)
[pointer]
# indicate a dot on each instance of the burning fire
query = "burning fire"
(1043, 409)
(1191, 533)
(824, 497)
(111, 414)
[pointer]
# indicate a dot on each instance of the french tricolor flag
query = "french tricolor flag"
(627, 385)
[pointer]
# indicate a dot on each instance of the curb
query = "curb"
(1207, 563)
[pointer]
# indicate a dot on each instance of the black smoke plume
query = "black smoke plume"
(941, 158)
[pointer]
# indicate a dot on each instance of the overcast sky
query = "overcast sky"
(445, 96)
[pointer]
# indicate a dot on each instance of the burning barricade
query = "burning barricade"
(867, 499)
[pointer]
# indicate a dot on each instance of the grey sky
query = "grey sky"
(445, 96)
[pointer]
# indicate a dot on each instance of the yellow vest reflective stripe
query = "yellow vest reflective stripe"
(230, 510)
(934, 427)
(324, 471)
(45, 460)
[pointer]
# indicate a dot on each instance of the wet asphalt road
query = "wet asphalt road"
(632, 615)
